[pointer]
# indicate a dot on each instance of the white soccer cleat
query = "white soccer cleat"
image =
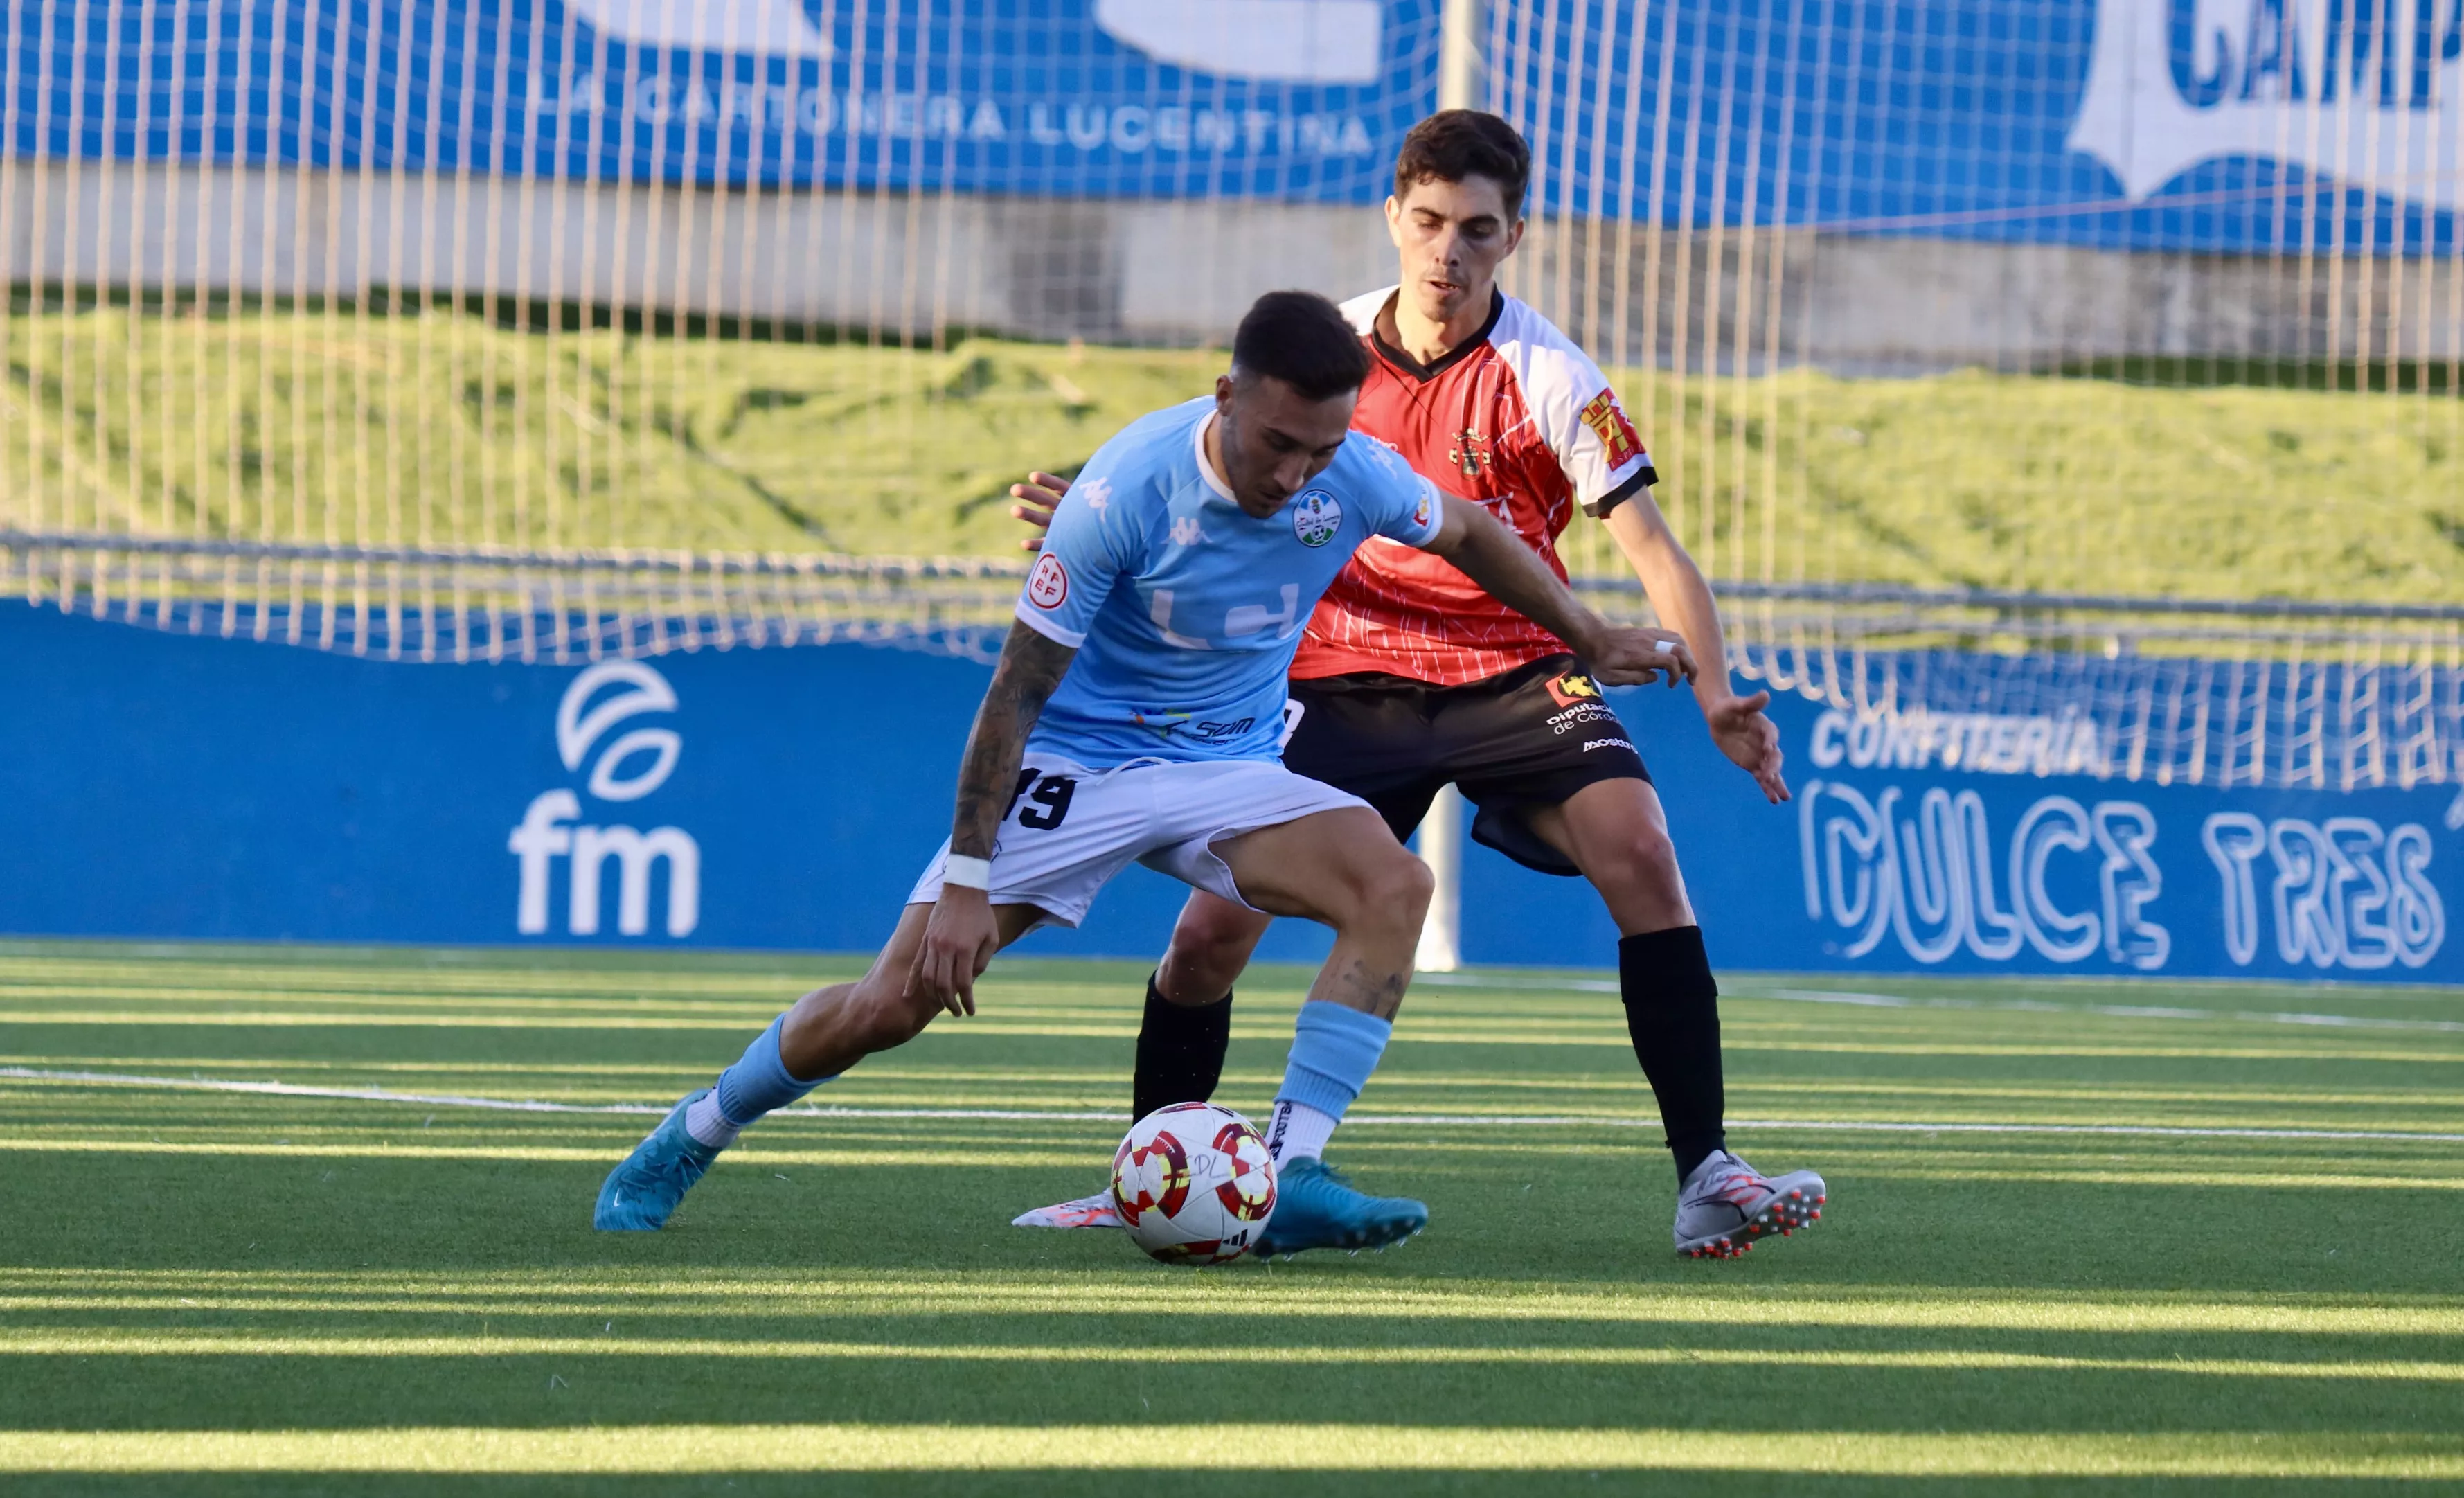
(1727, 1204)
(1096, 1211)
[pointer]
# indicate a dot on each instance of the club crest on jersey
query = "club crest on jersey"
(1317, 516)
(1607, 421)
(1469, 452)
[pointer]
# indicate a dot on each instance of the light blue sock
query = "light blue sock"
(1335, 1050)
(758, 1083)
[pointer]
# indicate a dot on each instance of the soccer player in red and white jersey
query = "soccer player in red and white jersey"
(1410, 678)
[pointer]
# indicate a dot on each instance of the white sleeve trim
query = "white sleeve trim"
(1044, 625)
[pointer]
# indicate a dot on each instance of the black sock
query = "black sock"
(1672, 1010)
(1180, 1051)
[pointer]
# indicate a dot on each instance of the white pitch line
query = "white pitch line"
(508, 1105)
(2117, 1011)
(502, 1104)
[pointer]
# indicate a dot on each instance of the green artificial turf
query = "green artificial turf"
(214, 1291)
(441, 429)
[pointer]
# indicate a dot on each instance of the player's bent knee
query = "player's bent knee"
(1394, 890)
(1645, 865)
(1201, 973)
(1213, 940)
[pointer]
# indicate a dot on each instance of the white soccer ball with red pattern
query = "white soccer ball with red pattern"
(1194, 1183)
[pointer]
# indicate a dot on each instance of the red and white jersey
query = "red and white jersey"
(1516, 419)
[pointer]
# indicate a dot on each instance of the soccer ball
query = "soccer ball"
(1194, 1183)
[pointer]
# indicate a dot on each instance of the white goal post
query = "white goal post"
(1460, 85)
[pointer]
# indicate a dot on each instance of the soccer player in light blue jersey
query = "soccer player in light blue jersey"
(1136, 715)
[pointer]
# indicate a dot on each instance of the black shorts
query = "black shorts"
(1527, 738)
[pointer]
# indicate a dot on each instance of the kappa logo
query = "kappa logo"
(1317, 516)
(1047, 586)
(2366, 91)
(1185, 532)
(1575, 689)
(582, 719)
(1098, 494)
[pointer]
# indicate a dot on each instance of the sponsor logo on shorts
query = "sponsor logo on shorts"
(1317, 516)
(1420, 511)
(1610, 743)
(1608, 423)
(1577, 715)
(1572, 687)
(1047, 586)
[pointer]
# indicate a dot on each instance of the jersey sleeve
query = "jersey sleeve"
(1084, 555)
(1602, 455)
(1405, 507)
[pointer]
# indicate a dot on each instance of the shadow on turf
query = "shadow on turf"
(1196, 1481)
(526, 1391)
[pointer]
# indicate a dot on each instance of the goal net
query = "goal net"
(2052, 363)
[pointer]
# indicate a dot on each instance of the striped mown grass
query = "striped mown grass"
(2019, 1290)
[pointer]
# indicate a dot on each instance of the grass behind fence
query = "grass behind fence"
(441, 429)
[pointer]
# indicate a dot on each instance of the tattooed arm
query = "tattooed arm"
(961, 935)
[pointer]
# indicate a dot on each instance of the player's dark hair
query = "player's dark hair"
(1455, 144)
(1299, 338)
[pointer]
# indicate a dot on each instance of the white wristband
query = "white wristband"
(967, 874)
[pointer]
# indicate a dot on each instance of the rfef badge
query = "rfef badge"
(1317, 516)
(1047, 586)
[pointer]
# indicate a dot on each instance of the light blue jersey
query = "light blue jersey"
(1185, 610)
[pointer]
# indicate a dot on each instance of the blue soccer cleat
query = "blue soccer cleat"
(641, 1195)
(1316, 1208)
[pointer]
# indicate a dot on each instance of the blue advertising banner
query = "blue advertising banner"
(165, 785)
(1298, 99)
(157, 784)
(2007, 854)
(2177, 124)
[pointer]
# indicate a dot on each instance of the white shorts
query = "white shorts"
(1071, 829)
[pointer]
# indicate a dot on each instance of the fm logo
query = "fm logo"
(547, 832)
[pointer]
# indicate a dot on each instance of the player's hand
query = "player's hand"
(1622, 657)
(1746, 734)
(960, 940)
(1036, 498)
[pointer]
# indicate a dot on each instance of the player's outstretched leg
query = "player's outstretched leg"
(1182, 1038)
(825, 1032)
(1346, 869)
(1615, 831)
(641, 1195)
